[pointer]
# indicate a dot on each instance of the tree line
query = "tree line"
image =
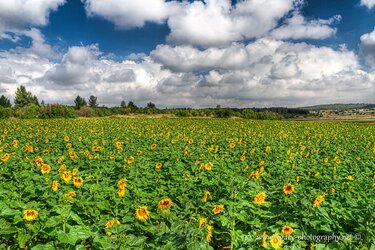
(26, 105)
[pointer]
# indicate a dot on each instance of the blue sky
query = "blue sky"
(196, 53)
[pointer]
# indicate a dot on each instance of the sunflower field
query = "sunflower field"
(143, 183)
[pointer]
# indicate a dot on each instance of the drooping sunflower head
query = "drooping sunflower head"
(5, 157)
(55, 186)
(30, 214)
(205, 196)
(218, 209)
(288, 188)
(165, 203)
(130, 160)
(260, 198)
(142, 213)
(70, 195)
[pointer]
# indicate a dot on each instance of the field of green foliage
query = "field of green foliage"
(186, 184)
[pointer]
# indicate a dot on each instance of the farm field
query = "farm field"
(143, 183)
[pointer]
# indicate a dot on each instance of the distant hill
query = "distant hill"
(339, 106)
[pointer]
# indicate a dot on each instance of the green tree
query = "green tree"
(93, 101)
(5, 102)
(132, 106)
(151, 105)
(24, 97)
(123, 104)
(80, 102)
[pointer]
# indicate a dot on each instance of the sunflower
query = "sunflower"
(74, 171)
(232, 145)
(264, 240)
(153, 146)
(318, 200)
(130, 160)
(349, 178)
(62, 168)
(121, 192)
(288, 188)
(142, 213)
(66, 138)
(337, 160)
(70, 195)
(111, 222)
(268, 148)
(38, 160)
(165, 203)
(276, 241)
(209, 233)
(158, 165)
(208, 166)
(205, 196)
(287, 230)
(122, 183)
(55, 186)
(260, 198)
(191, 141)
(325, 160)
(242, 158)
(61, 159)
(66, 177)
(218, 209)
(30, 214)
(78, 181)
(202, 221)
(45, 169)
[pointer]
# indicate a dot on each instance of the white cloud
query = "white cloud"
(212, 22)
(368, 47)
(217, 22)
(130, 13)
(20, 14)
(368, 3)
(265, 72)
(297, 27)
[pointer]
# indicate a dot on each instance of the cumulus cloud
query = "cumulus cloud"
(217, 22)
(264, 72)
(368, 47)
(20, 14)
(129, 13)
(368, 3)
(297, 27)
(213, 22)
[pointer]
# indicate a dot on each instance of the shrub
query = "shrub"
(85, 112)
(5, 112)
(30, 111)
(57, 111)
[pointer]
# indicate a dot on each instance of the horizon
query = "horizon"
(192, 54)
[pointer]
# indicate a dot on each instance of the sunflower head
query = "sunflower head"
(287, 230)
(276, 241)
(30, 214)
(288, 189)
(142, 213)
(260, 198)
(165, 203)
